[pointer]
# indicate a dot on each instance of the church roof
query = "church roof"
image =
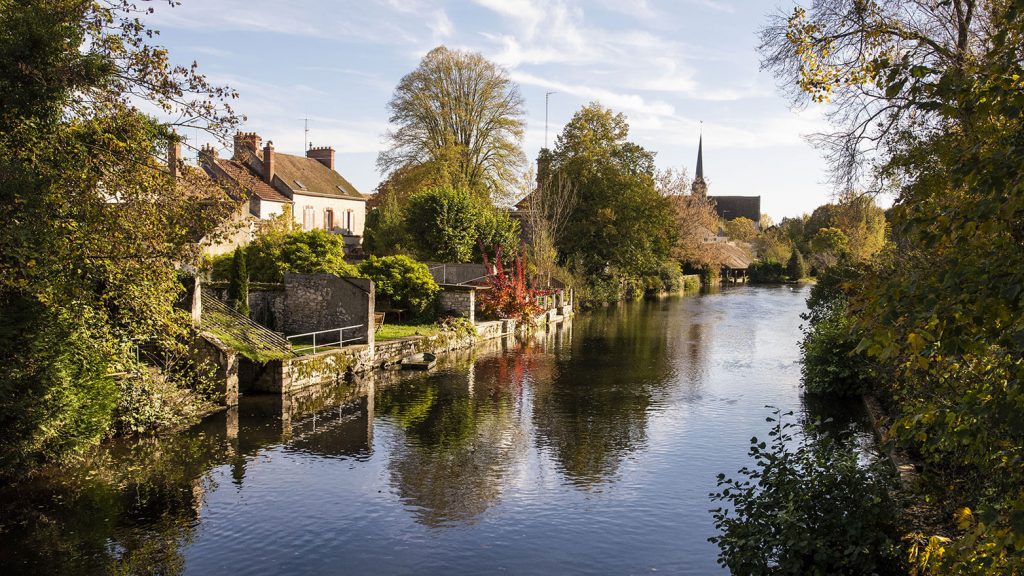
(732, 207)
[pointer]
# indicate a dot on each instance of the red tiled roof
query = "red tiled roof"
(249, 180)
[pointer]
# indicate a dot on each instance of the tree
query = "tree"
(740, 229)
(695, 219)
(238, 287)
(863, 223)
(927, 99)
(449, 225)
(442, 223)
(829, 245)
(402, 280)
(621, 222)
(885, 67)
(94, 224)
(458, 122)
(795, 268)
(548, 202)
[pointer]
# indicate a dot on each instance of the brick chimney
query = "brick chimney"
(174, 156)
(246, 142)
(543, 166)
(268, 162)
(207, 154)
(322, 154)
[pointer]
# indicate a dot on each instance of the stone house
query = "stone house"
(317, 196)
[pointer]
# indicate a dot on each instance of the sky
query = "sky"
(675, 68)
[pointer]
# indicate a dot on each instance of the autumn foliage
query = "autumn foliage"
(509, 295)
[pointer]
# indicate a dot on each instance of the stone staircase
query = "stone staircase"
(254, 341)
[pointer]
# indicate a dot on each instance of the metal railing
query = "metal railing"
(300, 348)
(440, 274)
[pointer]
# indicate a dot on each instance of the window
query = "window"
(348, 221)
(308, 218)
(328, 219)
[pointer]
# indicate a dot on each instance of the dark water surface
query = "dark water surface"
(589, 450)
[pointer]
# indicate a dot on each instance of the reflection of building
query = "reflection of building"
(328, 420)
(727, 207)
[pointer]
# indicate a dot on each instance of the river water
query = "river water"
(587, 450)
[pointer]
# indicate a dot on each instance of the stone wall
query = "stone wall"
(209, 348)
(315, 302)
(458, 301)
(289, 375)
(266, 302)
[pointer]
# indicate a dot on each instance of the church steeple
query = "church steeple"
(700, 188)
(700, 157)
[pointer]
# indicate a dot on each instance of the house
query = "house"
(308, 187)
(235, 226)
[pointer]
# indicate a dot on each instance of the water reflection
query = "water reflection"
(460, 434)
(588, 448)
(591, 400)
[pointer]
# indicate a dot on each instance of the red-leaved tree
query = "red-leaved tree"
(509, 295)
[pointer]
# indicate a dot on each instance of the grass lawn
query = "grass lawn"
(395, 331)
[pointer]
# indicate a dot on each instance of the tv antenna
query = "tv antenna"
(305, 141)
(547, 96)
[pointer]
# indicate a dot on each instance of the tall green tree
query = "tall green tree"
(620, 220)
(449, 225)
(458, 121)
(238, 286)
(94, 224)
(927, 98)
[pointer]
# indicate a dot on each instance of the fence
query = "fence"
(301, 347)
(458, 273)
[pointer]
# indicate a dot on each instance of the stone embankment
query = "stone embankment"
(286, 375)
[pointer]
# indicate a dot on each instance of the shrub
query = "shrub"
(806, 507)
(509, 296)
(670, 275)
(443, 224)
(238, 288)
(765, 272)
(404, 281)
(796, 268)
(62, 400)
(832, 364)
(269, 256)
(691, 282)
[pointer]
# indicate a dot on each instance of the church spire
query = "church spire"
(700, 188)
(700, 156)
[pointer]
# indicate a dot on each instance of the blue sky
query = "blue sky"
(667, 64)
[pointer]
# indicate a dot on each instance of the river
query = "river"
(587, 450)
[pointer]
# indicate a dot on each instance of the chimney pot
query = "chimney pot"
(207, 152)
(246, 142)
